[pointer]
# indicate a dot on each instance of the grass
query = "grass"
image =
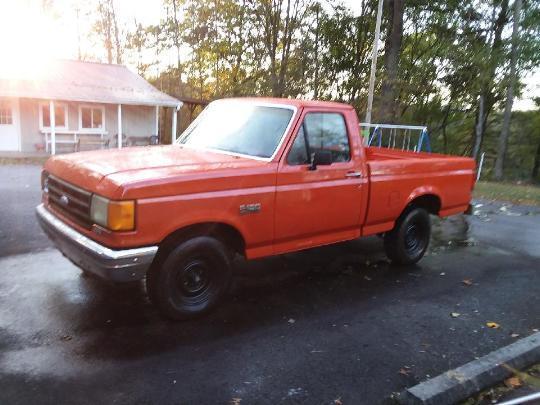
(530, 378)
(515, 193)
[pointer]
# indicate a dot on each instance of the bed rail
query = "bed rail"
(405, 137)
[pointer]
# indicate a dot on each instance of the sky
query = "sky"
(30, 35)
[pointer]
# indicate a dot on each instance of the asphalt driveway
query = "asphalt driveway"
(322, 326)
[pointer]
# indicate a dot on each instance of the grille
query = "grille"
(70, 201)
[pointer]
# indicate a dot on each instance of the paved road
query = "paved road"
(20, 192)
(313, 327)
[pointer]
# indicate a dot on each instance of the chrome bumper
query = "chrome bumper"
(114, 265)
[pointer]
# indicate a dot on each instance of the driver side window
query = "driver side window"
(320, 131)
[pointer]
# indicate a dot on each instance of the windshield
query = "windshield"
(239, 127)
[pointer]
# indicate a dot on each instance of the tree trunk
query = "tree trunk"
(176, 37)
(536, 168)
(486, 90)
(316, 76)
(505, 132)
(479, 129)
(108, 36)
(443, 126)
(391, 59)
(116, 31)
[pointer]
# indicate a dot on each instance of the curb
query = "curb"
(460, 383)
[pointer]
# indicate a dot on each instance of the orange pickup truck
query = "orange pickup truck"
(255, 177)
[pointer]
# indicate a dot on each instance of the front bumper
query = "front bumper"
(114, 265)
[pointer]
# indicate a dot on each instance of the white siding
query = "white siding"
(137, 121)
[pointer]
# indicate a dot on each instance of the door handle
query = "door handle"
(353, 174)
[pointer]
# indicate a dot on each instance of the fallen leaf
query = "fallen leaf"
(338, 401)
(513, 382)
(467, 282)
(493, 325)
(404, 371)
(455, 314)
(525, 377)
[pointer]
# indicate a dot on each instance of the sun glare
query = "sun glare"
(29, 44)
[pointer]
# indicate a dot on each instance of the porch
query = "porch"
(97, 130)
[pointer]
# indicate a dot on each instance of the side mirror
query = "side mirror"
(321, 157)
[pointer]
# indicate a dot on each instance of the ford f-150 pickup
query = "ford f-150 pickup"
(255, 177)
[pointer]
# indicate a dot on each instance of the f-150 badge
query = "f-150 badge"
(250, 208)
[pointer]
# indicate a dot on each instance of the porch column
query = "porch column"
(156, 130)
(173, 132)
(119, 126)
(52, 121)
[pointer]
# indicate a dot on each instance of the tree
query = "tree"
(106, 27)
(488, 97)
(138, 40)
(503, 139)
(281, 20)
(392, 53)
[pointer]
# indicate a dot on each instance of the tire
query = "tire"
(409, 240)
(190, 279)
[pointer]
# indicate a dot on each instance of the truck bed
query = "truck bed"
(374, 153)
(397, 176)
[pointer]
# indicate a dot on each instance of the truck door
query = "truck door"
(319, 205)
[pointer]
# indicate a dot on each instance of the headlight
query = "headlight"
(45, 181)
(113, 215)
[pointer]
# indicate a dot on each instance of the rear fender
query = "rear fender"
(426, 190)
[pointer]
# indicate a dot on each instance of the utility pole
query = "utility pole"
(374, 63)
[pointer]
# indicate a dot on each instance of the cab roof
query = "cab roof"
(294, 102)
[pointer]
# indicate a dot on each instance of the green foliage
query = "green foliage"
(452, 52)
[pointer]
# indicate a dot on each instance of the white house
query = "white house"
(68, 105)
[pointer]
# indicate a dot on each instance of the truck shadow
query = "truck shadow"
(309, 286)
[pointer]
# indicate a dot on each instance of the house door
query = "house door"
(9, 124)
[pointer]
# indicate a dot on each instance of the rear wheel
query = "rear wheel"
(409, 240)
(191, 279)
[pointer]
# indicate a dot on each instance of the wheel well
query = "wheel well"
(227, 234)
(430, 202)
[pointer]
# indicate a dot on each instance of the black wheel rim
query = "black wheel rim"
(194, 281)
(193, 277)
(415, 238)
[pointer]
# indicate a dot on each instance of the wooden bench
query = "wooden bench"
(74, 138)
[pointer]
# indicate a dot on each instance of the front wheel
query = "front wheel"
(409, 240)
(191, 279)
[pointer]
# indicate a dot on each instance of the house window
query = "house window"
(60, 116)
(6, 115)
(91, 118)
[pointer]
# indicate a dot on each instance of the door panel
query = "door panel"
(313, 203)
(9, 124)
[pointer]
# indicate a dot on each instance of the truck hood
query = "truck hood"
(113, 172)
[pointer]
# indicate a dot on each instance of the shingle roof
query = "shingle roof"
(71, 80)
